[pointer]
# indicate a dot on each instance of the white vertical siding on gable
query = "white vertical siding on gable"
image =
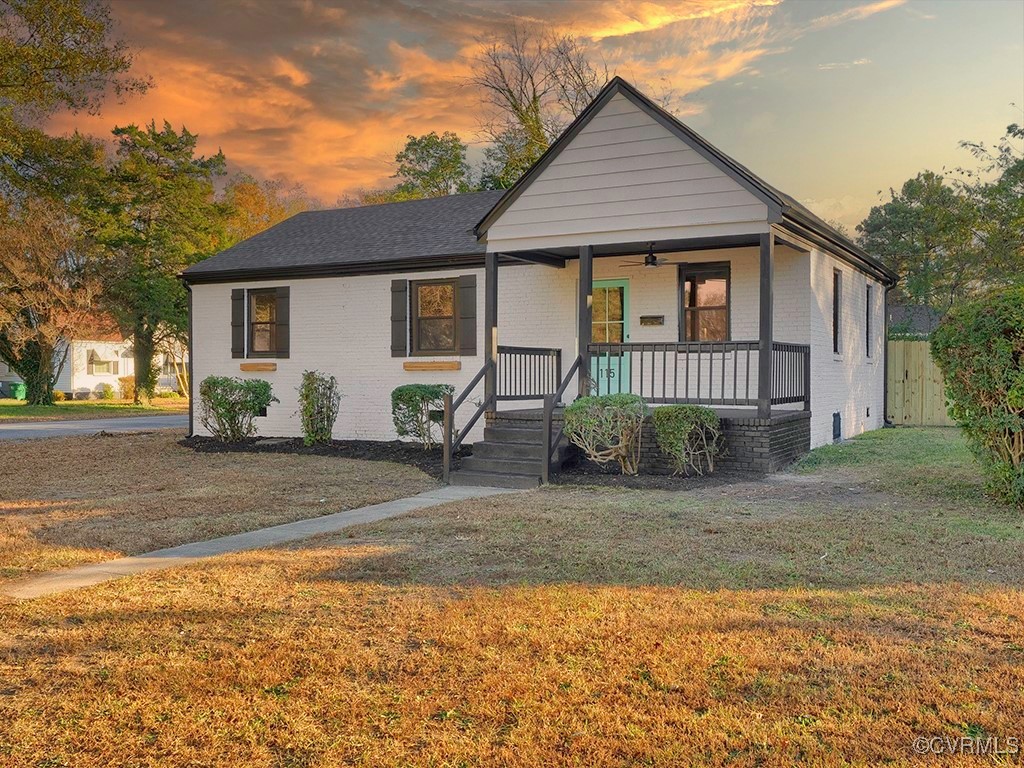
(625, 178)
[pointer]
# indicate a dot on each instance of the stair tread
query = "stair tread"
(497, 479)
(515, 467)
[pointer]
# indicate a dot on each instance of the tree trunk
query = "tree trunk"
(144, 348)
(36, 369)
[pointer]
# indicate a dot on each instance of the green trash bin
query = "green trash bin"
(17, 390)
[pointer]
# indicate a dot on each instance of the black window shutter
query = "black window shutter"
(399, 318)
(238, 322)
(467, 315)
(113, 367)
(282, 312)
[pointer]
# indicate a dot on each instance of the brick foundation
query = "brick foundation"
(751, 444)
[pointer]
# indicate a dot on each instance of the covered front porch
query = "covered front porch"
(659, 320)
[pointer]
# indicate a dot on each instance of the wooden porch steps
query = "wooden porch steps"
(508, 457)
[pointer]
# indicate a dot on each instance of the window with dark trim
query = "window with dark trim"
(704, 301)
(262, 322)
(434, 317)
(837, 303)
(867, 321)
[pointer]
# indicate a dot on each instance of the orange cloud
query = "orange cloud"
(325, 93)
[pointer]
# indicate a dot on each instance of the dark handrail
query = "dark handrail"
(550, 401)
(450, 442)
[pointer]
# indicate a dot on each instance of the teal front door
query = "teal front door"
(609, 368)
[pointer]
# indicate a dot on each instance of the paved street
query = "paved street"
(39, 429)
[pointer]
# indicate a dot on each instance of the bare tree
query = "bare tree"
(45, 293)
(533, 83)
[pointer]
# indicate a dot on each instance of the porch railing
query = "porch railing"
(707, 373)
(528, 373)
(791, 373)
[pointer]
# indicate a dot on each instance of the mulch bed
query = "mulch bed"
(429, 462)
(576, 472)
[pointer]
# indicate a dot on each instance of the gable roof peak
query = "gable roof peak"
(780, 205)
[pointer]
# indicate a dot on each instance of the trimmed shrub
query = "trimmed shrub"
(607, 428)
(168, 394)
(228, 406)
(105, 392)
(417, 408)
(690, 434)
(58, 396)
(979, 346)
(319, 400)
(126, 387)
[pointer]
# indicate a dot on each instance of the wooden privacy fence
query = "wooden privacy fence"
(917, 395)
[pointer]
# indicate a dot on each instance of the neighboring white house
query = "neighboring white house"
(86, 365)
(633, 248)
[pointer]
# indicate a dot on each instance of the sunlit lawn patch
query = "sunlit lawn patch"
(81, 499)
(18, 410)
(817, 619)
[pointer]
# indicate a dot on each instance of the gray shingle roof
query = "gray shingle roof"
(374, 234)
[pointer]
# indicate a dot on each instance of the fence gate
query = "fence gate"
(917, 395)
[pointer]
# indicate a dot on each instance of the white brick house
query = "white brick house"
(700, 283)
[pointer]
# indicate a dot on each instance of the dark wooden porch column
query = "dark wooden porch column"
(491, 330)
(766, 306)
(585, 314)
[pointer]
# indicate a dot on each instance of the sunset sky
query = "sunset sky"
(830, 101)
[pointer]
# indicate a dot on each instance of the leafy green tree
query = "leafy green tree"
(253, 205)
(926, 233)
(57, 54)
(159, 216)
(427, 166)
(997, 190)
(433, 166)
(47, 288)
(979, 346)
(507, 158)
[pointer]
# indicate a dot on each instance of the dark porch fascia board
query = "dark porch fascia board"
(640, 248)
(537, 257)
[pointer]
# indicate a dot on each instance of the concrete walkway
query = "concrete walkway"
(33, 430)
(65, 580)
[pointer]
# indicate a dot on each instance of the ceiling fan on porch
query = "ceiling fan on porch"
(650, 260)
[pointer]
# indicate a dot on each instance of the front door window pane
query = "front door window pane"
(609, 320)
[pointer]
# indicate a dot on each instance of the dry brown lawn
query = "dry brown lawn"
(82, 499)
(826, 618)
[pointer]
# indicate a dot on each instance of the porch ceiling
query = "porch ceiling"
(558, 256)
